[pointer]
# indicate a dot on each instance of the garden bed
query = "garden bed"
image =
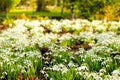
(60, 50)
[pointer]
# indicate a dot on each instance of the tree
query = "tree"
(7, 5)
(63, 3)
(72, 5)
(88, 8)
(41, 5)
(68, 4)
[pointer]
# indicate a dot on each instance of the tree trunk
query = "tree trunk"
(41, 5)
(62, 6)
(2, 6)
(55, 2)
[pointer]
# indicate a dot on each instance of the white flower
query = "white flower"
(12, 70)
(82, 68)
(4, 73)
(43, 72)
(61, 65)
(64, 70)
(80, 73)
(116, 72)
(23, 71)
(1, 64)
(95, 76)
(66, 36)
(55, 68)
(102, 71)
(71, 64)
(19, 66)
(51, 79)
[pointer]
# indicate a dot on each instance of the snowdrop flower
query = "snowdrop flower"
(114, 78)
(37, 30)
(71, 64)
(55, 68)
(51, 79)
(96, 22)
(23, 71)
(64, 70)
(12, 70)
(116, 72)
(55, 27)
(100, 28)
(64, 60)
(43, 72)
(19, 66)
(65, 37)
(80, 73)
(60, 67)
(1, 64)
(95, 76)
(102, 72)
(4, 73)
(82, 68)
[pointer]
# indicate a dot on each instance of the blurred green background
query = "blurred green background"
(60, 9)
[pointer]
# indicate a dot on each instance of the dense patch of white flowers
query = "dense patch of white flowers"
(19, 48)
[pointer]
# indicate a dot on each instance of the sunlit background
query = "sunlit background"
(85, 9)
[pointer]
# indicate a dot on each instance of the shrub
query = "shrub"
(109, 12)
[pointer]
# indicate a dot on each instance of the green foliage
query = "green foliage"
(69, 75)
(108, 11)
(88, 8)
(47, 55)
(7, 5)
